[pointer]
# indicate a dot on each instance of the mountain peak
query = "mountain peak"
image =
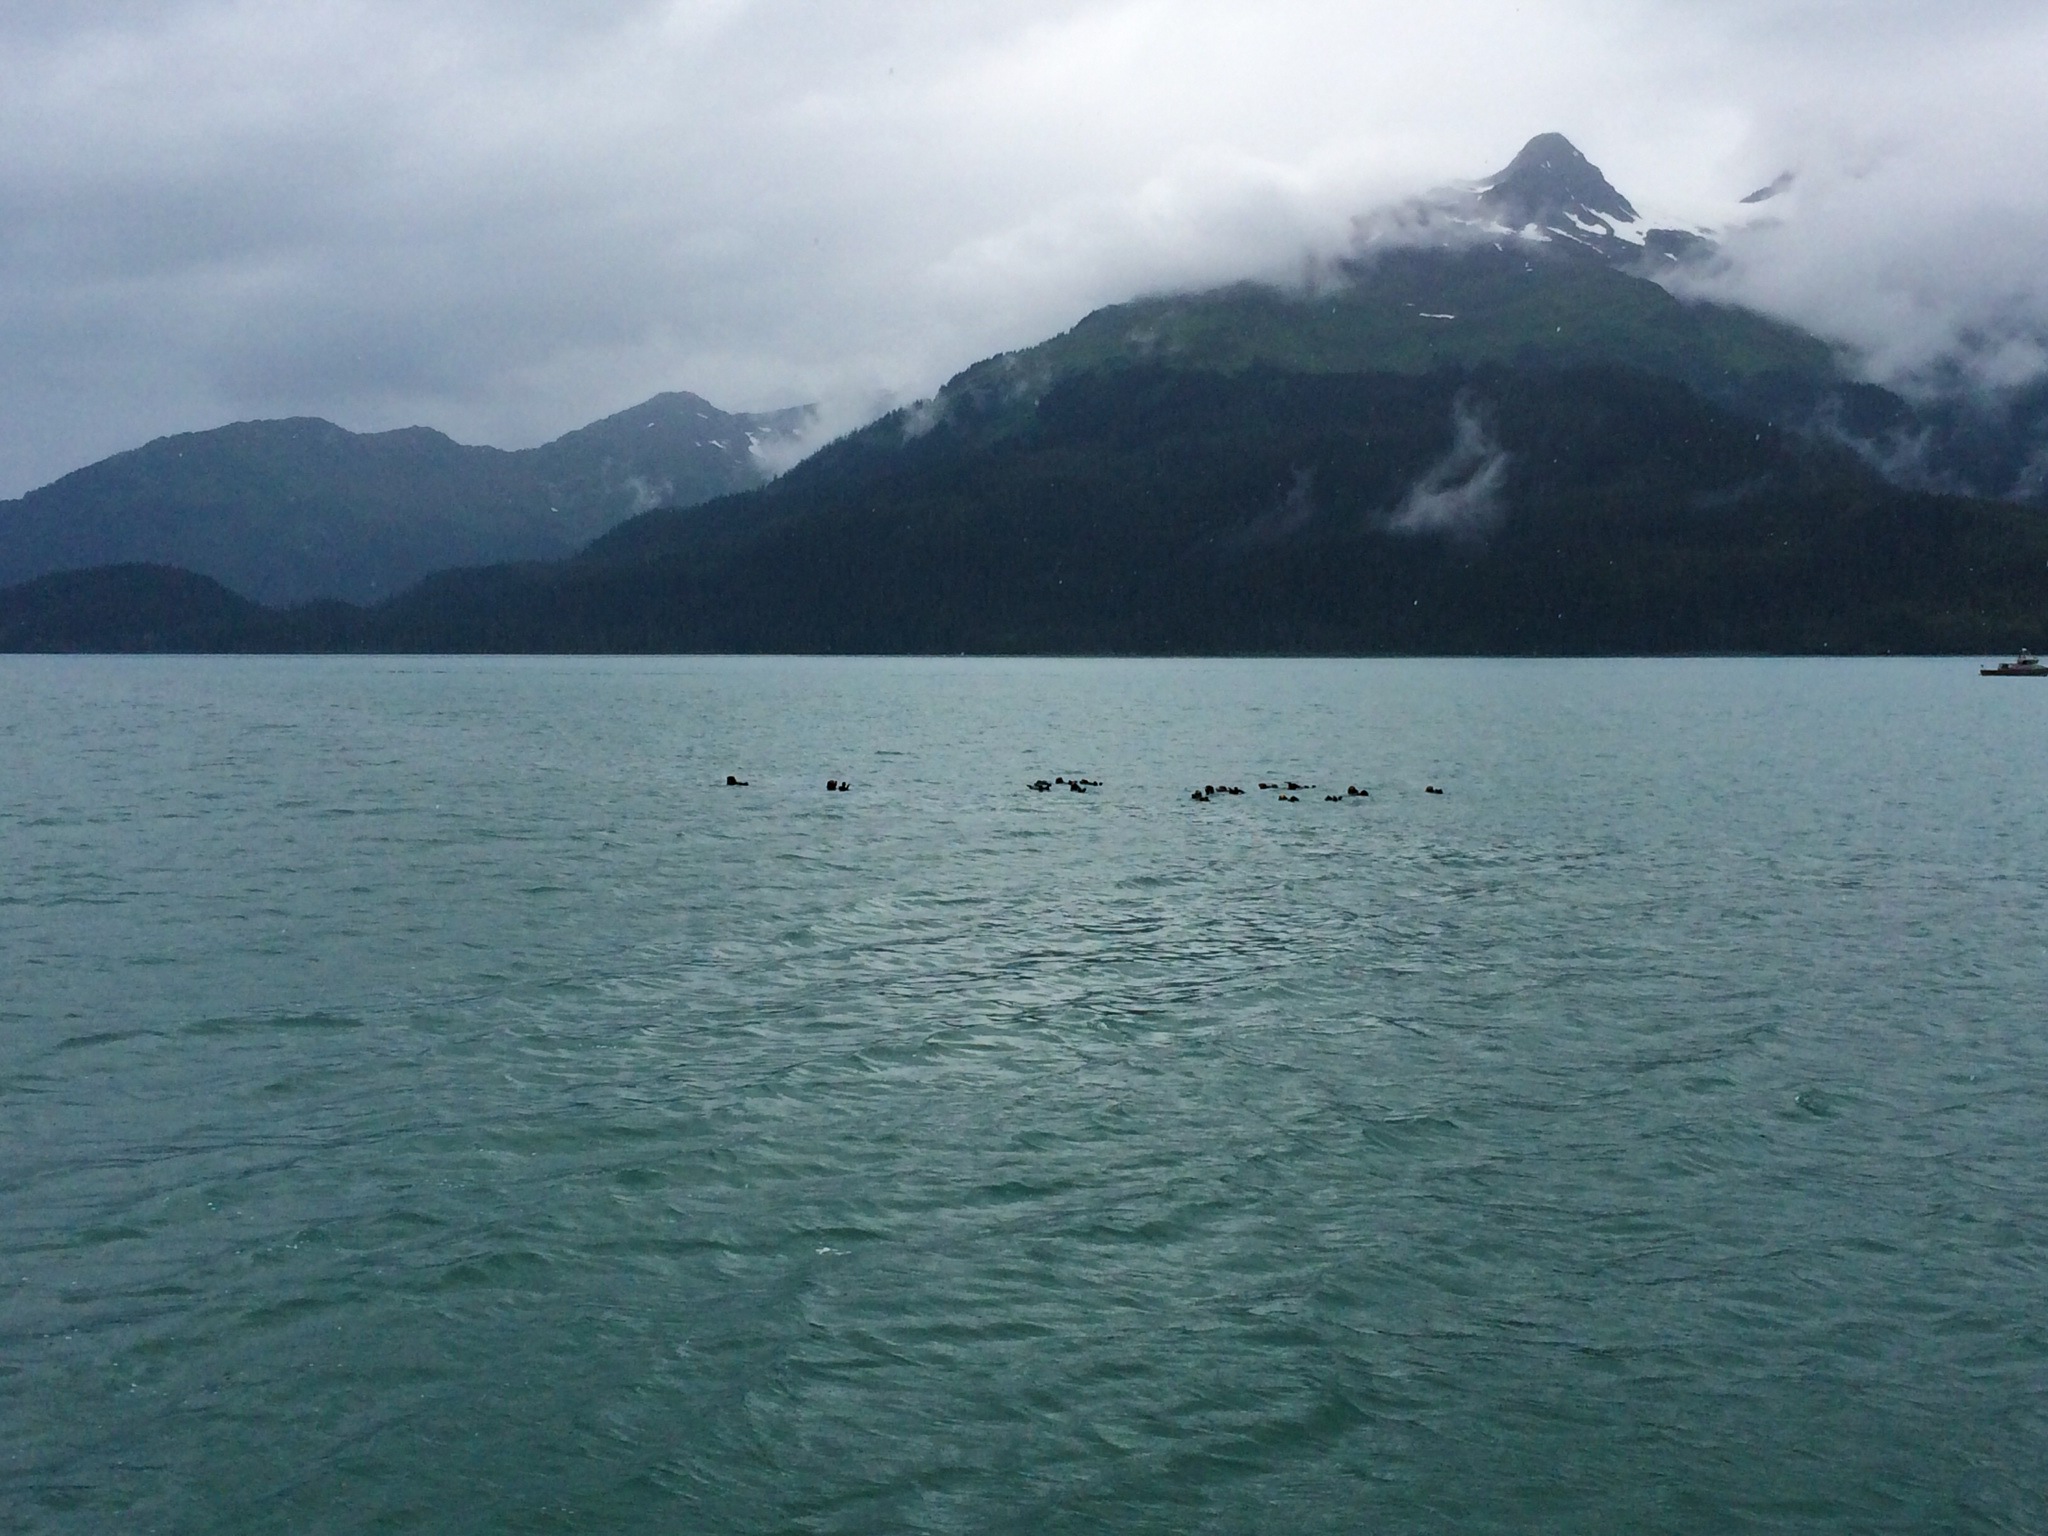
(1551, 185)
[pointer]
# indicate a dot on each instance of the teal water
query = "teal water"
(430, 1100)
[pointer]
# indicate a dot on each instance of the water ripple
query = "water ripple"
(436, 1101)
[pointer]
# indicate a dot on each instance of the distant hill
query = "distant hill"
(136, 608)
(287, 511)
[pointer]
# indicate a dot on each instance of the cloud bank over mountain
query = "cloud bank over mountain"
(506, 218)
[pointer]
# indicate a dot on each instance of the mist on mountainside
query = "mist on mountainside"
(1943, 305)
(1960, 367)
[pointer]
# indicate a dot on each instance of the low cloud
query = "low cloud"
(648, 494)
(1462, 493)
(812, 426)
(1911, 230)
(1929, 288)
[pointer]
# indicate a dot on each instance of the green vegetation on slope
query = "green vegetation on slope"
(289, 510)
(1497, 510)
(1514, 305)
(1494, 510)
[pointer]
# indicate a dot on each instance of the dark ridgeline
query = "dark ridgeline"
(1490, 445)
(141, 608)
(292, 511)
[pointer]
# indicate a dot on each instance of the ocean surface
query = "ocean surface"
(432, 1100)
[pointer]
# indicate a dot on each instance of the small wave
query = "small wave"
(87, 1042)
(269, 1022)
(1813, 1102)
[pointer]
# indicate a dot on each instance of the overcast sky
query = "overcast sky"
(505, 218)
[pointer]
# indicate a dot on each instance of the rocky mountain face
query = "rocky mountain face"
(673, 450)
(1553, 189)
(294, 510)
(1550, 197)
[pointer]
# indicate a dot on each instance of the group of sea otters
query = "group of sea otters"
(1081, 787)
(835, 786)
(1351, 792)
(1078, 786)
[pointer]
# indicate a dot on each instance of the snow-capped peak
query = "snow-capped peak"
(1549, 194)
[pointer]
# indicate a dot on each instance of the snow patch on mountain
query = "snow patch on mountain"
(1552, 195)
